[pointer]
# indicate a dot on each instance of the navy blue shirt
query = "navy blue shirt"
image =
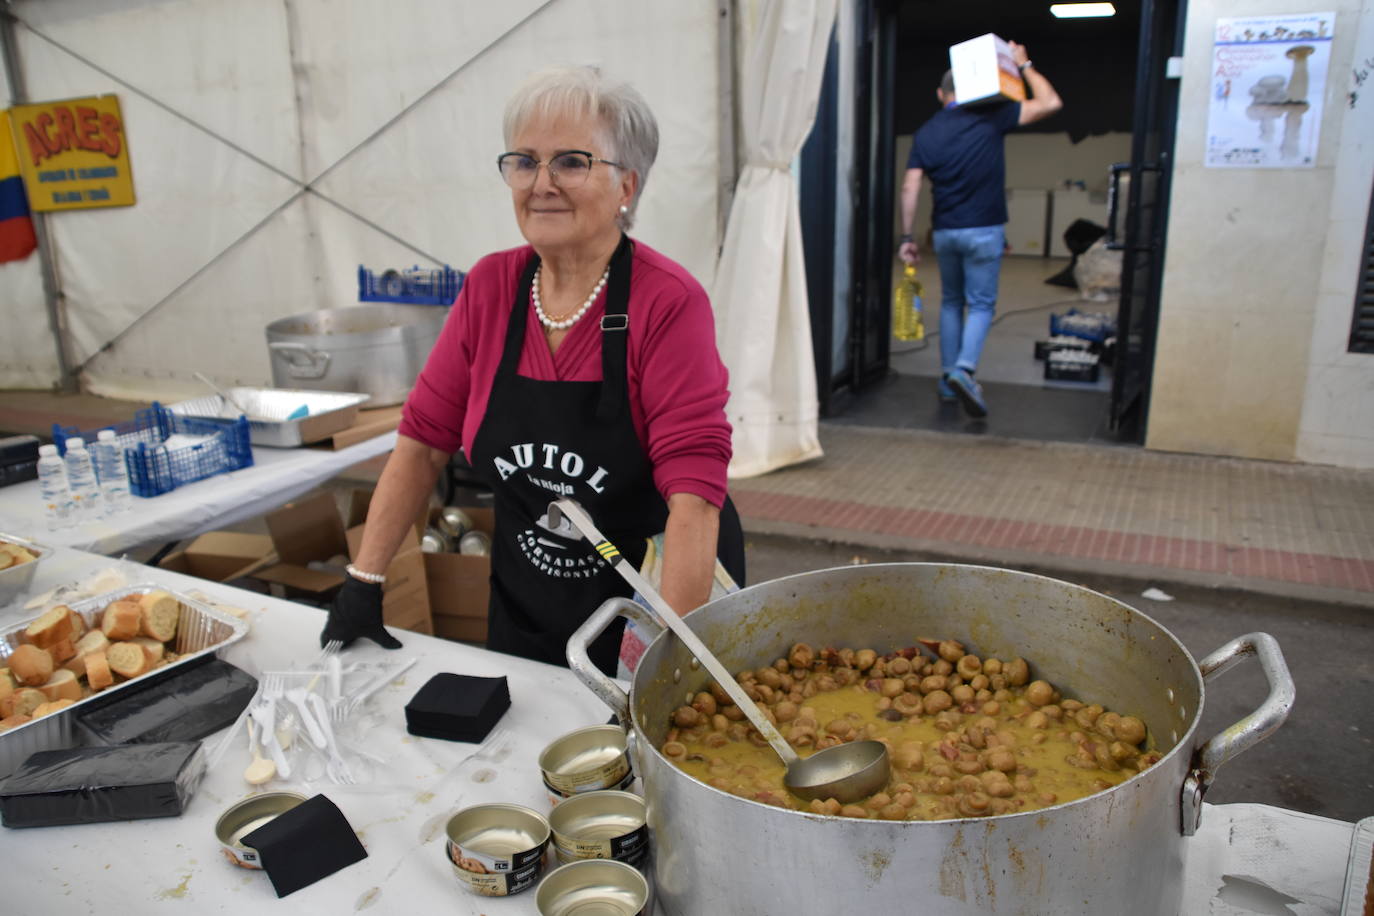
(960, 149)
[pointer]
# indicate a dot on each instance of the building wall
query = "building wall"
(1260, 274)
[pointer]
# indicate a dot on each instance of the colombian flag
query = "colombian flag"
(16, 227)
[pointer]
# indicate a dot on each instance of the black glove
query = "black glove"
(357, 611)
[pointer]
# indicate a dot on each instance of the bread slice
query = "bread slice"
(121, 619)
(31, 665)
(160, 615)
(63, 685)
(78, 624)
(94, 641)
(98, 671)
(127, 659)
(152, 649)
(6, 683)
(49, 708)
(15, 721)
(54, 625)
(62, 651)
(22, 702)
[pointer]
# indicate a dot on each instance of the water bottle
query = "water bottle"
(52, 483)
(906, 307)
(111, 472)
(81, 480)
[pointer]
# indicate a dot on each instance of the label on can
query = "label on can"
(628, 847)
(492, 876)
(589, 783)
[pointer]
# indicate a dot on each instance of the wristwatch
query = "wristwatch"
(1024, 67)
(906, 236)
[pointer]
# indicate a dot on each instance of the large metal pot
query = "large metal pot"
(1120, 851)
(373, 349)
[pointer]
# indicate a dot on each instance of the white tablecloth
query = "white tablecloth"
(277, 476)
(1246, 858)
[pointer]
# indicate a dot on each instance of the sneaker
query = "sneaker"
(969, 392)
(946, 393)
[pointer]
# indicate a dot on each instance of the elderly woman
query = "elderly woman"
(581, 365)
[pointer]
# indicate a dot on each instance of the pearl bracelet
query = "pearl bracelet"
(371, 578)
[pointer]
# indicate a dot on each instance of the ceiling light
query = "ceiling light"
(1082, 10)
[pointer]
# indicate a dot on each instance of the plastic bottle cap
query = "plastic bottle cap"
(104, 435)
(75, 442)
(47, 451)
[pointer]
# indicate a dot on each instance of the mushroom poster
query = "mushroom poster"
(1267, 83)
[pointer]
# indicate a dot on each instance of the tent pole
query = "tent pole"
(67, 382)
(726, 105)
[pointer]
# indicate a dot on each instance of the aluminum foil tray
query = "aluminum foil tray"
(269, 412)
(1357, 889)
(201, 630)
(14, 582)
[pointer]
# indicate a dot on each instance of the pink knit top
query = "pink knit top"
(677, 383)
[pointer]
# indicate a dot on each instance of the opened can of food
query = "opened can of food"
(594, 886)
(587, 760)
(497, 849)
(601, 825)
(454, 522)
(245, 817)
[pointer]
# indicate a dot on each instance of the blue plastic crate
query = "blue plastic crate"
(415, 286)
(155, 469)
(1095, 327)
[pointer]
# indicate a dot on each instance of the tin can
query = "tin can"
(601, 825)
(587, 760)
(246, 816)
(435, 541)
(475, 544)
(454, 522)
(497, 849)
(599, 886)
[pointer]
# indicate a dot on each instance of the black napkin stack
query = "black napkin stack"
(309, 842)
(457, 707)
(196, 701)
(88, 785)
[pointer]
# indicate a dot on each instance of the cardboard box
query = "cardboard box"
(312, 531)
(222, 556)
(460, 585)
(985, 71)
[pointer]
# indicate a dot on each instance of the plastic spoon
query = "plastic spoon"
(261, 770)
(846, 772)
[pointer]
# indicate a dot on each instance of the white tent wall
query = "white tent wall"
(28, 356)
(392, 112)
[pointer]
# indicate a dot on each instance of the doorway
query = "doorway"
(1120, 110)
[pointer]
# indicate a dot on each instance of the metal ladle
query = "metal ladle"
(846, 772)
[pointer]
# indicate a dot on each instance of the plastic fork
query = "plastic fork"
(349, 705)
(333, 647)
(336, 767)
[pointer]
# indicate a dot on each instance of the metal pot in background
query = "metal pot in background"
(372, 349)
(1119, 851)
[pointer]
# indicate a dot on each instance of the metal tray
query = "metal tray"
(268, 411)
(1357, 868)
(14, 582)
(201, 630)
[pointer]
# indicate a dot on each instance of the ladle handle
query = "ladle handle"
(670, 619)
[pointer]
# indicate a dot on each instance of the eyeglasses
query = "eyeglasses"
(568, 169)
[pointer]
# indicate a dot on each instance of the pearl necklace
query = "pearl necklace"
(571, 320)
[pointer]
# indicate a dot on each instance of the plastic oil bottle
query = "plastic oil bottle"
(907, 323)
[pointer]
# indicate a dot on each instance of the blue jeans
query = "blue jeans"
(970, 261)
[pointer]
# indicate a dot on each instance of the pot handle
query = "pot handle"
(581, 662)
(1246, 733)
(301, 361)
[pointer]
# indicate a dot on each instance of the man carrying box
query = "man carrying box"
(961, 149)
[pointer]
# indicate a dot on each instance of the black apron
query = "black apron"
(542, 441)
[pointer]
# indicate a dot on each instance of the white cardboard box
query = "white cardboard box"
(984, 71)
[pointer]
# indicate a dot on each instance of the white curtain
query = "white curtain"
(763, 327)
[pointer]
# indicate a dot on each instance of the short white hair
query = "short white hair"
(584, 91)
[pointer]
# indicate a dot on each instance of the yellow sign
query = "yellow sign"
(73, 154)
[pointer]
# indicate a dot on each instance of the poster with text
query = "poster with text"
(73, 153)
(1268, 79)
